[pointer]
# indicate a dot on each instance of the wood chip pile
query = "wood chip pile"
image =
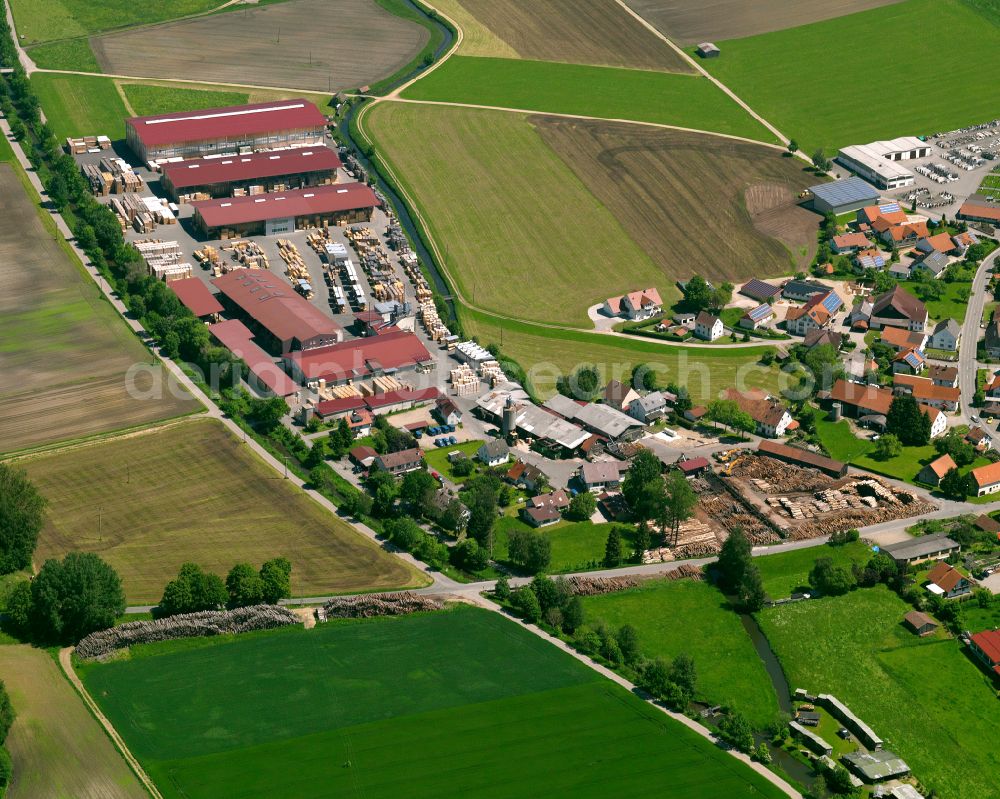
(368, 605)
(185, 625)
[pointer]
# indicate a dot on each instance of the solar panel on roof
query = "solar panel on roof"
(849, 190)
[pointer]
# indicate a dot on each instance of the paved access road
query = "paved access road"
(967, 363)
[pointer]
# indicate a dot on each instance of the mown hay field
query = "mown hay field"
(929, 701)
(147, 100)
(302, 44)
(665, 98)
(545, 353)
(58, 747)
(783, 78)
(692, 617)
(64, 353)
(192, 491)
(433, 705)
(694, 21)
(598, 32)
(721, 208)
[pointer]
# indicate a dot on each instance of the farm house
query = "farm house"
(255, 173)
(275, 214)
(234, 129)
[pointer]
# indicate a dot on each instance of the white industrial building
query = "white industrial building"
(877, 162)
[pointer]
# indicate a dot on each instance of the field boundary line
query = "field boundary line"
(614, 677)
(121, 93)
(459, 36)
(202, 82)
(680, 51)
(66, 662)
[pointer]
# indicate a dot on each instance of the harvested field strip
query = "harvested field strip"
(545, 353)
(62, 348)
(477, 39)
(686, 101)
(599, 33)
(80, 105)
(775, 75)
(694, 21)
(693, 202)
(192, 492)
(521, 233)
(410, 706)
(857, 648)
(58, 748)
(307, 44)
(692, 617)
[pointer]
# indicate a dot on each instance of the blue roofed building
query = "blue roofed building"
(843, 196)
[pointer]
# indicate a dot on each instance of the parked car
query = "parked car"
(452, 440)
(418, 433)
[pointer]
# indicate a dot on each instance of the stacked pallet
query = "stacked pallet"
(163, 259)
(123, 177)
(247, 254)
(208, 256)
(464, 381)
(388, 292)
(491, 372)
(432, 323)
(84, 144)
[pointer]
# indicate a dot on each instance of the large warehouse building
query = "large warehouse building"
(235, 129)
(388, 354)
(842, 196)
(276, 214)
(281, 170)
(876, 162)
(275, 313)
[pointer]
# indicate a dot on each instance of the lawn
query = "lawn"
(58, 748)
(193, 492)
(952, 304)
(436, 458)
(545, 353)
(925, 697)
(147, 100)
(434, 705)
(666, 98)
(45, 20)
(785, 572)
(80, 105)
(778, 75)
(675, 616)
(576, 546)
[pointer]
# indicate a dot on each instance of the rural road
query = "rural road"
(967, 363)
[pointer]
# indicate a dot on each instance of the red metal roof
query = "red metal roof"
(401, 396)
(195, 295)
(340, 405)
(205, 171)
(227, 122)
(360, 357)
(988, 642)
(299, 202)
(235, 336)
(276, 306)
(693, 464)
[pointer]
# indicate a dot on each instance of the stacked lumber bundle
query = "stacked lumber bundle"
(248, 254)
(295, 267)
(100, 182)
(208, 256)
(464, 381)
(432, 323)
(186, 625)
(123, 177)
(491, 372)
(163, 259)
(381, 385)
(367, 606)
(84, 144)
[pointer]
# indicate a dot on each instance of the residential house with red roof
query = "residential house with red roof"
(986, 647)
(635, 305)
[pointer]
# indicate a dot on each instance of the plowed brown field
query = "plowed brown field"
(319, 45)
(695, 203)
(694, 21)
(597, 32)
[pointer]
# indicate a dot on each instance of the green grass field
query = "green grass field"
(576, 546)
(80, 105)
(71, 54)
(675, 616)
(45, 20)
(147, 99)
(785, 572)
(952, 304)
(437, 459)
(435, 705)
(546, 353)
(930, 703)
(505, 209)
(687, 101)
(194, 492)
(780, 76)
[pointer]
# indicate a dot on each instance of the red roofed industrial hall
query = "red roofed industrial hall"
(389, 353)
(274, 214)
(281, 170)
(233, 129)
(237, 338)
(288, 320)
(196, 296)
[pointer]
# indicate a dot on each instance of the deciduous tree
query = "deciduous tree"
(21, 518)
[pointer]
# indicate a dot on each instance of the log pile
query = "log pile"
(185, 625)
(770, 476)
(592, 586)
(368, 605)
(730, 513)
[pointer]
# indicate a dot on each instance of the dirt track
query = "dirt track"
(693, 21)
(595, 32)
(319, 45)
(683, 196)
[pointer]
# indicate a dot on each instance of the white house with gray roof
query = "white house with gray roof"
(945, 336)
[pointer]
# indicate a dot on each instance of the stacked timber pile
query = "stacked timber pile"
(248, 254)
(770, 476)
(84, 144)
(185, 625)
(695, 539)
(100, 182)
(592, 586)
(368, 605)
(464, 381)
(208, 256)
(729, 512)
(491, 372)
(163, 259)
(295, 266)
